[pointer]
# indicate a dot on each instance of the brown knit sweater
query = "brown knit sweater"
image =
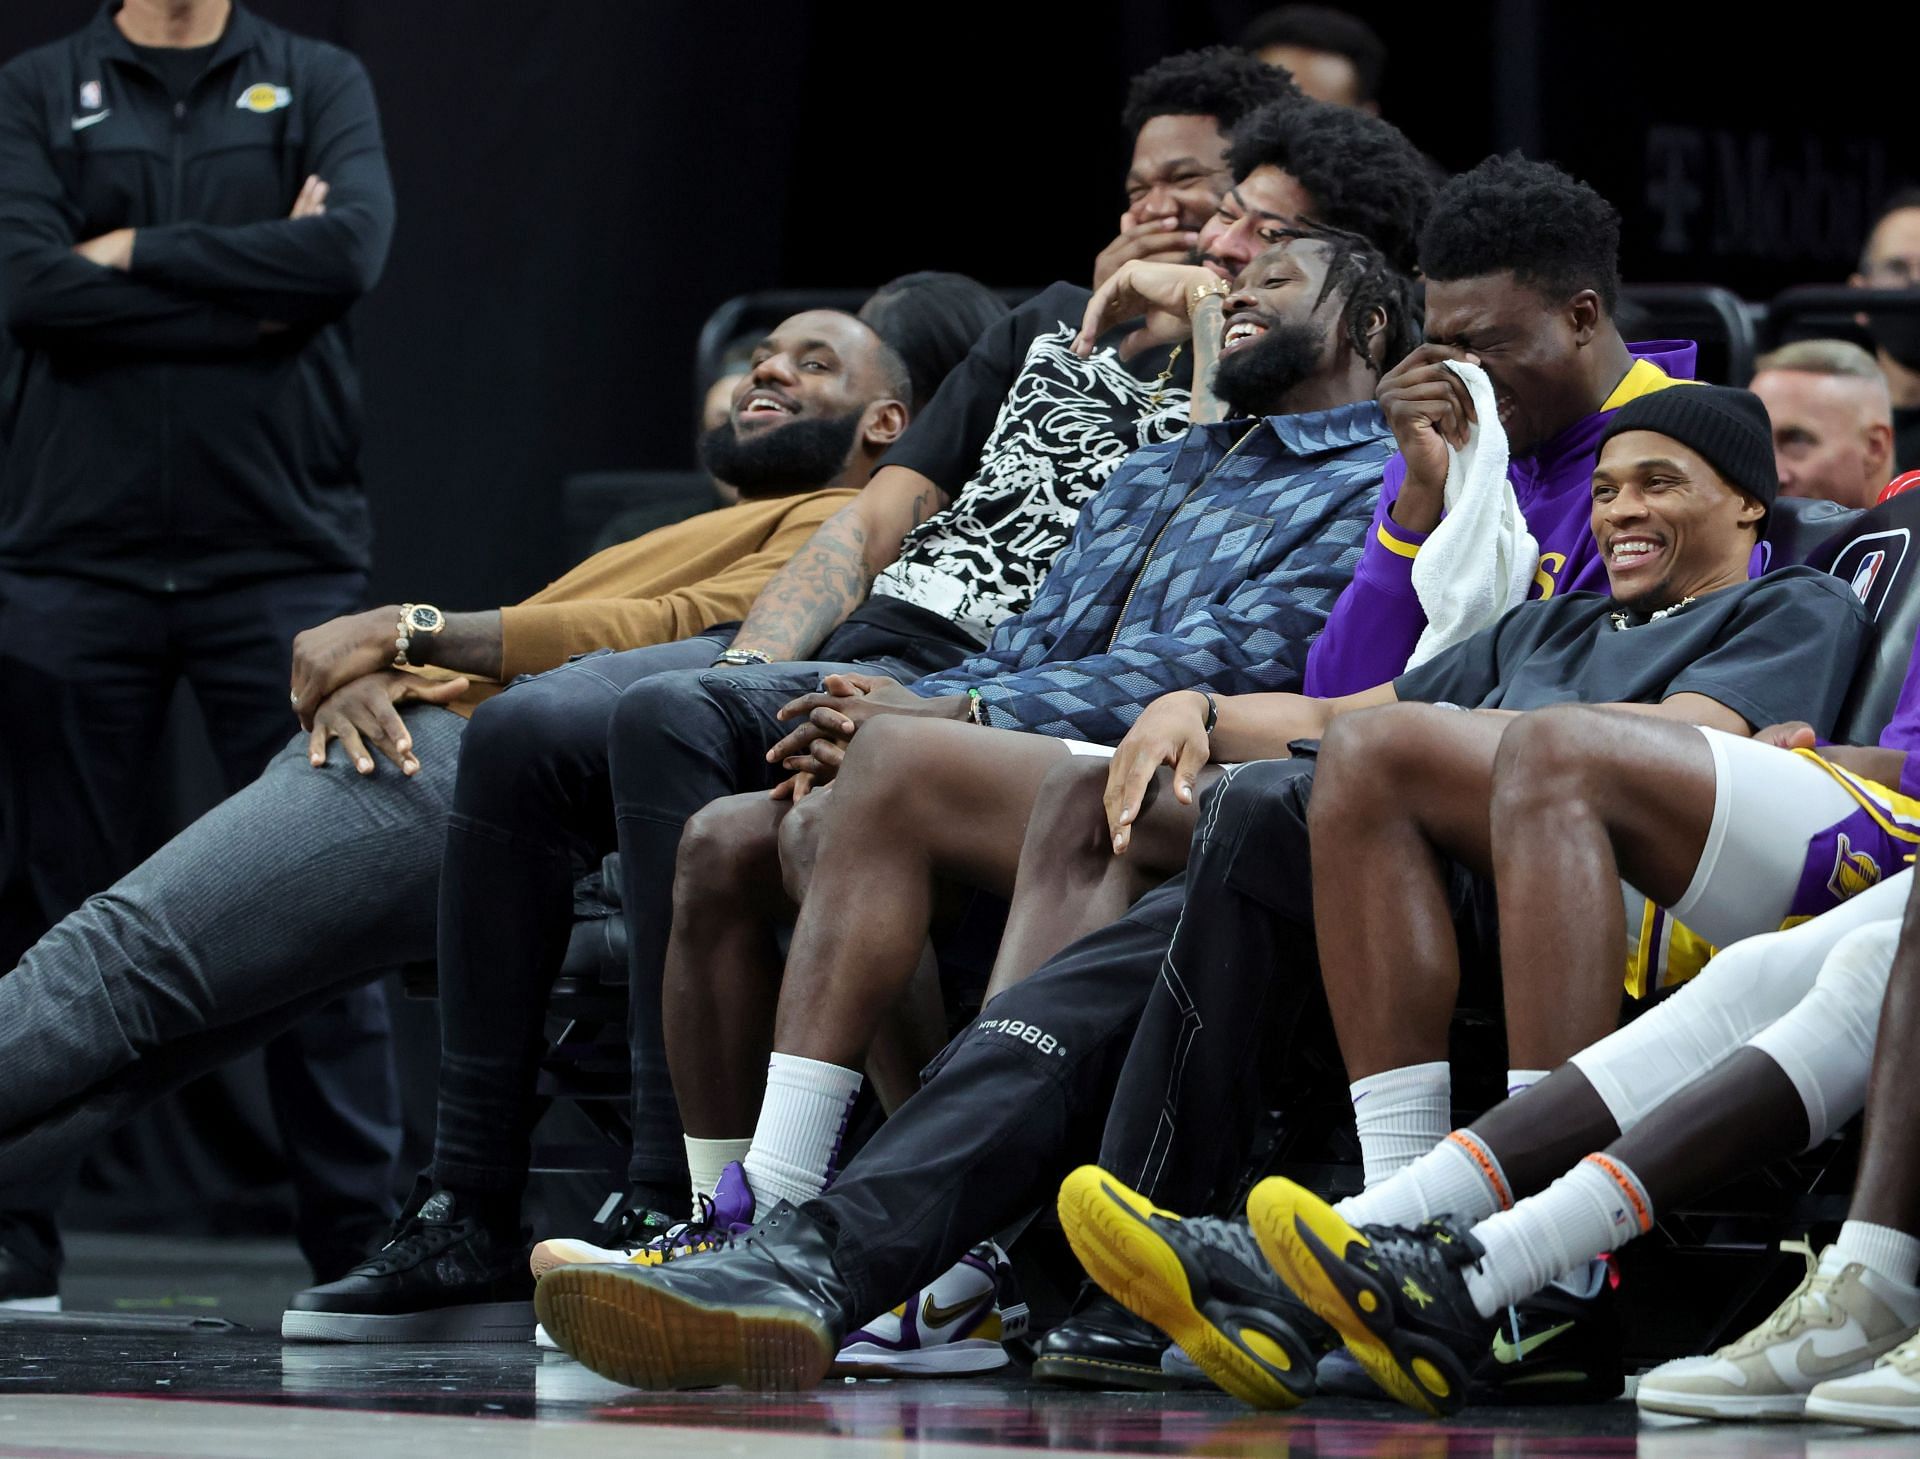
(669, 584)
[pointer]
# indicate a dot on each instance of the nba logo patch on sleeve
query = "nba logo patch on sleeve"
(89, 96)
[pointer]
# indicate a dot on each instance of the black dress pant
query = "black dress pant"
(87, 671)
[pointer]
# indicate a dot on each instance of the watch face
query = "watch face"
(424, 618)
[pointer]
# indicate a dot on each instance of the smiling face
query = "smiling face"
(812, 393)
(1251, 218)
(1667, 526)
(1180, 167)
(1279, 330)
(818, 365)
(1530, 347)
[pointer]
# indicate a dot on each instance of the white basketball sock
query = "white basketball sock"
(1596, 1207)
(1401, 1115)
(1459, 1177)
(802, 1121)
(1882, 1249)
(1519, 1081)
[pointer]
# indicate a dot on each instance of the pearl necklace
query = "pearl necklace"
(1620, 619)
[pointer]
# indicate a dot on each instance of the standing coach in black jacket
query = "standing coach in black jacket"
(190, 201)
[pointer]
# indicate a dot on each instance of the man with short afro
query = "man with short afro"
(1523, 274)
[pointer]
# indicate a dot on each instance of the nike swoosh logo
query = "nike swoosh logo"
(1509, 1352)
(80, 124)
(1815, 1364)
(933, 1316)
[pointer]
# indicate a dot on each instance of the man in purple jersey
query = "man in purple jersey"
(1559, 370)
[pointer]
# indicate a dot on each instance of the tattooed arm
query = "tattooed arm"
(1209, 323)
(829, 577)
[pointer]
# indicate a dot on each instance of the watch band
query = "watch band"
(416, 619)
(740, 658)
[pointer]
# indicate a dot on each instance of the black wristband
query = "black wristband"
(1213, 712)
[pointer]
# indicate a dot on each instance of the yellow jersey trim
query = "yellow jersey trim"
(1873, 798)
(1644, 378)
(1394, 544)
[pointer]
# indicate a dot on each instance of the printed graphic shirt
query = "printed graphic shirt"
(1060, 425)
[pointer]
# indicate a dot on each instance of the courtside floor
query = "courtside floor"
(234, 1390)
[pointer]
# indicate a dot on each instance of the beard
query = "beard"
(1256, 377)
(800, 455)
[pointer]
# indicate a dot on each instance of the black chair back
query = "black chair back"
(1875, 552)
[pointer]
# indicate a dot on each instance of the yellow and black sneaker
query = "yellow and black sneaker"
(1396, 1295)
(1203, 1282)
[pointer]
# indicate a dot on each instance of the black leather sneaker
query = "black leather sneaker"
(1561, 1345)
(1102, 1345)
(1203, 1282)
(1396, 1295)
(442, 1276)
(29, 1271)
(765, 1310)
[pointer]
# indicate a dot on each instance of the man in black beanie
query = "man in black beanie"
(1399, 844)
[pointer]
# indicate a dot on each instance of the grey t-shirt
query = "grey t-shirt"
(1777, 647)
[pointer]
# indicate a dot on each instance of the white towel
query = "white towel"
(1481, 559)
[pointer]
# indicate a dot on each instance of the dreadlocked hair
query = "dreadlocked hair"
(1367, 279)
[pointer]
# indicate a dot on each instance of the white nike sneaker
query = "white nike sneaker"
(954, 1325)
(1835, 1323)
(1886, 1396)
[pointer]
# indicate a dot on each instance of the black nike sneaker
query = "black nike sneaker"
(1102, 1345)
(442, 1276)
(1203, 1282)
(1396, 1295)
(765, 1309)
(29, 1265)
(1561, 1345)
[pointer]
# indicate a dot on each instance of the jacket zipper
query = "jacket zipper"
(1154, 546)
(167, 483)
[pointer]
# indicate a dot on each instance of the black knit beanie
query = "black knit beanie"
(1728, 427)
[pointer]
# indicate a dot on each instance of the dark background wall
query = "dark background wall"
(581, 181)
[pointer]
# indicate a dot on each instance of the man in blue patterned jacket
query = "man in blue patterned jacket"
(1211, 560)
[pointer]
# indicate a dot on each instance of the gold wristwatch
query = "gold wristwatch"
(1211, 288)
(416, 620)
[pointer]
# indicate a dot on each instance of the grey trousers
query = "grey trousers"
(303, 884)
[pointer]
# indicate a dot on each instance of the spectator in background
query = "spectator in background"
(1832, 420)
(1891, 260)
(191, 200)
(716, 407)
(1333, 56)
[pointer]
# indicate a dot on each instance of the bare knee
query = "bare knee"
(1364, 763)
(1549, 759)
(728, 857)
(1067, 830)
(799, 841)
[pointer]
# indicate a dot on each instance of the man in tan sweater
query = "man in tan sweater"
(315, 878)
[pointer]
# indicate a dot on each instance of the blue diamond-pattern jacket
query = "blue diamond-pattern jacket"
(1199, 563)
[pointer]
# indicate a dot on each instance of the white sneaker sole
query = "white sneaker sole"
(472, 1322)
(563, 1251)
(1873, 1415)
(1720, 1405)
(869, 1360)
(30, 1304)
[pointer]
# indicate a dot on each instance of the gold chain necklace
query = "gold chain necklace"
(1160, 382)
